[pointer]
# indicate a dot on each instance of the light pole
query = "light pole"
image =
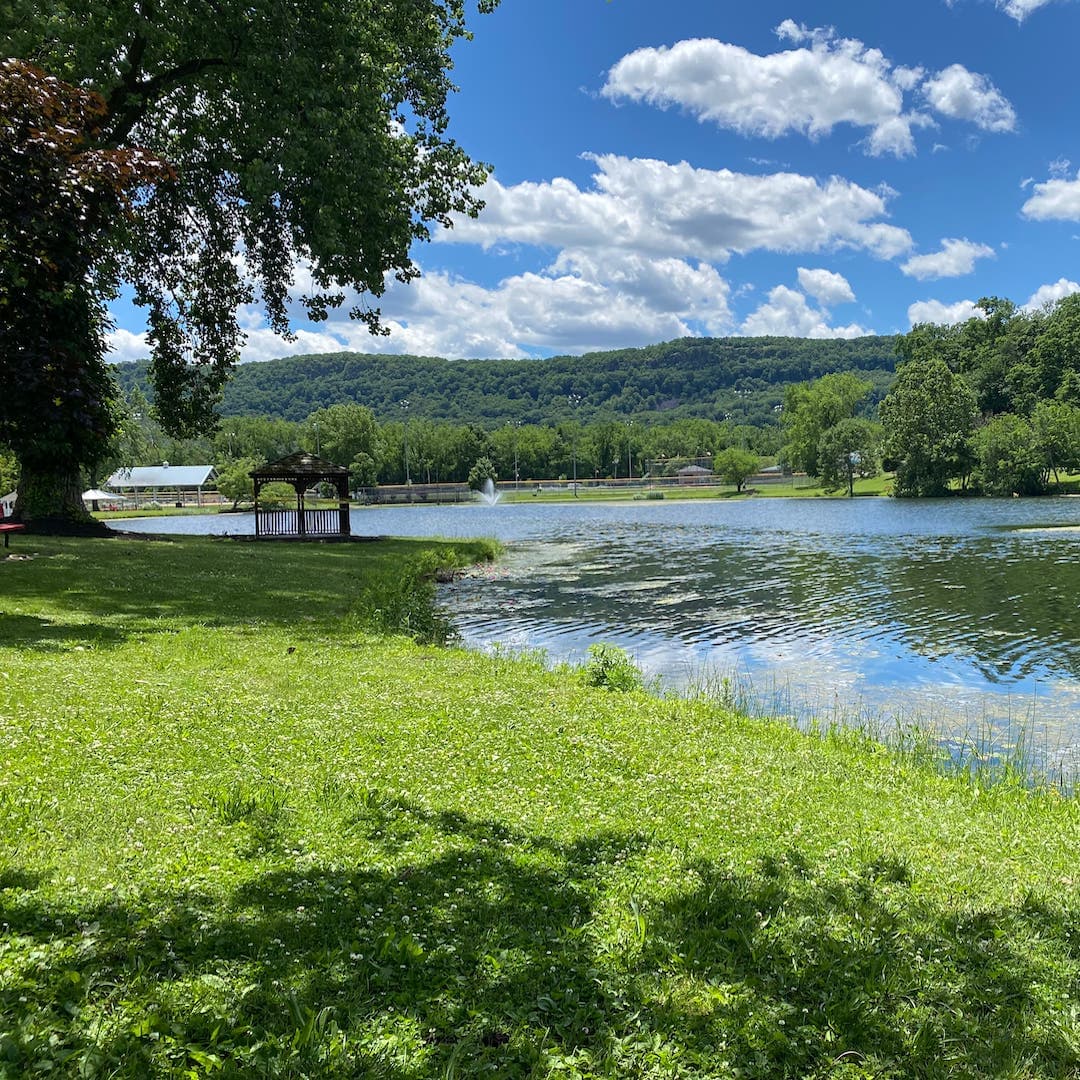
(404, 403)
(517, 474)
(575, 401)
(629, 458)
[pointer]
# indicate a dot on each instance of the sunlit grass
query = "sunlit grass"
(251, 827)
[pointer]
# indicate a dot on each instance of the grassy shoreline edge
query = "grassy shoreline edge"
(252, 827)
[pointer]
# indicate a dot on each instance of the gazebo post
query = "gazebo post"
(343, 507)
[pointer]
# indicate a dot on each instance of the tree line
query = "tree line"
(738, 378)
(989, 405)
(417, 449)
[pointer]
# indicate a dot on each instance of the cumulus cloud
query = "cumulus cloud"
(956, 258)
(827, 82)
(664, 210)
(934, 311)
(584, 300)
(787, 313)
(1051, 294)
(1054, 200)
(825, 286)
(965, 95)
(123, 346)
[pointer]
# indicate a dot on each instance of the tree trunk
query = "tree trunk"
(50, 501)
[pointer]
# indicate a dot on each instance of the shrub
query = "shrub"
(612, 667)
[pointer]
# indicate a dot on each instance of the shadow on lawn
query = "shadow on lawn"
(511, 955)
(115, 589)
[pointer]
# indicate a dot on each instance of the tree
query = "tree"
(295, 133)
(928, 417)
(735, 466)
(1057, 426)
(234, 480)
(482, 471)
(62, 195)
(263, 438)
(342, 432)
(1010, 457)
(847, 450)
(810, 409)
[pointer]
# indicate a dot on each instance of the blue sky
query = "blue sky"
(706, 168)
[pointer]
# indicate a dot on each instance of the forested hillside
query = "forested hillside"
(743, 378)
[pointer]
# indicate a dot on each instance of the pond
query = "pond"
(958, 614)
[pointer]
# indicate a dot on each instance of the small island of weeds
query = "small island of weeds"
(251, 827)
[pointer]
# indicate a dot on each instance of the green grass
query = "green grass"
(250, 827)
(800, 487)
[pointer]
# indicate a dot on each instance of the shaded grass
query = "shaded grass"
(247, 832)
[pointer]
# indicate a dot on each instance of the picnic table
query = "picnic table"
(7, 528)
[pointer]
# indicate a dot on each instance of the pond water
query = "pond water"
(960, 614)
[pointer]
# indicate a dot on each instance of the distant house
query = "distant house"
(7, 504)
(164, 482)
(695, 474)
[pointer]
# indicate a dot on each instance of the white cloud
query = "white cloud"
(1054, 200)
(787, 314)
(585, 300)
(830, 81)
(826, 287)
(663, 210)
(934, 311)
(956, 258)
(807, 90)
(1021, 9)
(1051, 294)
(1018, 9)
(123, 346)
(965, 95)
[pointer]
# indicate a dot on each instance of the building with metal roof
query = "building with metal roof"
(180, 483)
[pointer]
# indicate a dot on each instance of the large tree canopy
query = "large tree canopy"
(295, 133)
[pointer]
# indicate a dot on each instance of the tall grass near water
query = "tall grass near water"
(987, 750)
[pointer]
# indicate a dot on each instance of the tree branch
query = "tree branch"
(131, 100)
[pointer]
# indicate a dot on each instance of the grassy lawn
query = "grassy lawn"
(250, 827)
(801, 487)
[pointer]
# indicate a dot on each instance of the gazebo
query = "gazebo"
(302, 471)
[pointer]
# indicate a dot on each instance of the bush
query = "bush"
(613, 668)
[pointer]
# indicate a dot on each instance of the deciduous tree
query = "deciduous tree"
(735, 466)
(291, 133)
(810, 409)
(928, 417)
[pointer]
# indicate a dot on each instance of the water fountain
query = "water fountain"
(488, 494)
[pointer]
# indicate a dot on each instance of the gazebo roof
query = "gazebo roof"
(300, 466)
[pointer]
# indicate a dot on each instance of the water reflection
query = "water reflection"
(962, 613)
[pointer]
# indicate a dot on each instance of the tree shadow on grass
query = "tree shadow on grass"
(513, 955)
(117, 589)
(45, 635)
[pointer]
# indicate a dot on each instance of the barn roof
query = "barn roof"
(162, 476)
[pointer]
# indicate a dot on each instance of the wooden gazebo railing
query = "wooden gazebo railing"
(302, 471)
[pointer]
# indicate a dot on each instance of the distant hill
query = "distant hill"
(741, 377)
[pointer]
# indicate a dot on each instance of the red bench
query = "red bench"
(8, 529)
